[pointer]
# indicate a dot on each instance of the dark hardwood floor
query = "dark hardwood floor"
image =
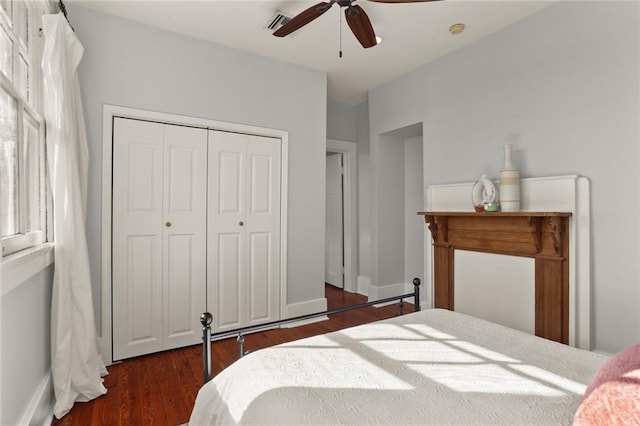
(160, 389)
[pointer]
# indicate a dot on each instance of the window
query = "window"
(22, 159)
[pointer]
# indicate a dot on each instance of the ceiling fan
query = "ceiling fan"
(355, 15)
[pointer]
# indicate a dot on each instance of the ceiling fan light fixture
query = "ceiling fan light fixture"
(456, 29)
(378, 39)
(356, 18)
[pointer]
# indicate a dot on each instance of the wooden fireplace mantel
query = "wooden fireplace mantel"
(543, 236)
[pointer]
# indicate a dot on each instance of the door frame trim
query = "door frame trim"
(349, 206)
(328, 235)
(108, 114)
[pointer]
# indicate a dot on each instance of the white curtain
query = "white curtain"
(76, 365)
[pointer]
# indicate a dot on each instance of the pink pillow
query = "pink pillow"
(613, 396)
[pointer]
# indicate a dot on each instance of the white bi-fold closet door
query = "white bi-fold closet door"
(243, 271)
(196, 227)
(159, 236)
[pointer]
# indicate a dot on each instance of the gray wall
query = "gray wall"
(137, 66)
(563, 87)
(341, 121)
(389, 187)
(414, 225)
(25, 351)
(364, 190)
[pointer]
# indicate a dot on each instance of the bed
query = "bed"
(430, 367)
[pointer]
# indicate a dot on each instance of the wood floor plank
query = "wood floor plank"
(110, 400)
(135, 397)
(164, 386)
(97, 414)
(160, 389)
(122, 413)
(157, 405)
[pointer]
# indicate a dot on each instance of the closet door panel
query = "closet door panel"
(244, 221)
(142, 270)
(259, 279)
(229, 273)
(261, 185)
(181, 180)
(226, 259)
(230, 182)
(137, 238)
(181, 290)
(263, 227)
(184, 232)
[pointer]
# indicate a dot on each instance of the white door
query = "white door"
(244, 229)
(159, 231)
(137, 237)
(185, 225)
(334, 242)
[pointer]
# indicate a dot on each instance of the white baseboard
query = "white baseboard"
(305, 308)
(40, 408)
(389, 290)
(363, 285)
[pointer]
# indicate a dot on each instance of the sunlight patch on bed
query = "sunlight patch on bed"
(427, 331)
(485, 378)
(394, 331)
(423, 351)
(300, 367)
(482, 351)
(552, 378)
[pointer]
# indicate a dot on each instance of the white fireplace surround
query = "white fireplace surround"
(547, 194)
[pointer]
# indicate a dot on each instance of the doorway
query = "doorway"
(337, 149)
(334, 221)
(397, 195)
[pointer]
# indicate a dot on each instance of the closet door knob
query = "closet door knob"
(241, 223)
(168, 224)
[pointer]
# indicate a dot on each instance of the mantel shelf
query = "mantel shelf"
(496, 214)
(514, 233)
(540, 235)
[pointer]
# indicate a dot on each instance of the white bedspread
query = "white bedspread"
(431, 367)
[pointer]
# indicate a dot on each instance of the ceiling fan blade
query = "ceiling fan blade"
(360, 26)
(401, 1)
(303, 18)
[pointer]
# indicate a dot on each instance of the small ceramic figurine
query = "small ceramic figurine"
(483, 194)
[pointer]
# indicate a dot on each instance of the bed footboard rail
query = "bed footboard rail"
(206, 319)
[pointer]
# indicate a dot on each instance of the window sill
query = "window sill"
(17, 268)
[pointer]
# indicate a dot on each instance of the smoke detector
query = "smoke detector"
(456, 29)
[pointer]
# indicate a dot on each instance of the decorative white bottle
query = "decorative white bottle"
(509, 184)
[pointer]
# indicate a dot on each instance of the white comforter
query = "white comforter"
(434, 366)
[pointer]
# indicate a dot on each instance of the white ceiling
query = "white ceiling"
(413, 33)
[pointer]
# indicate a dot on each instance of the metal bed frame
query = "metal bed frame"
(207, 337)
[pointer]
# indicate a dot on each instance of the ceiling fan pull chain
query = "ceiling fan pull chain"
(340, 31)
